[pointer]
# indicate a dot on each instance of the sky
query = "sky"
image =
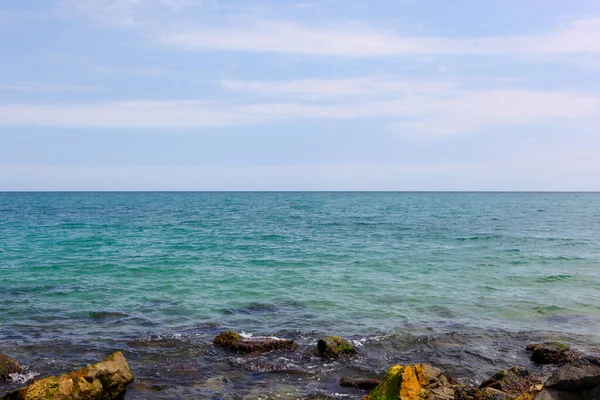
(300, 95)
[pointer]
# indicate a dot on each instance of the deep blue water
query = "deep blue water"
(159, 274)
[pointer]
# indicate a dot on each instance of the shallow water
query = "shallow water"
(461, 280)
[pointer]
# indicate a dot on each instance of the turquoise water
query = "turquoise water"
(159, 274)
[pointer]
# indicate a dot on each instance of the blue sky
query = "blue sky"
(299, 95)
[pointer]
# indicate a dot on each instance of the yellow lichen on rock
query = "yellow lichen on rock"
(413, 382)
(105, 380)
(530, 395)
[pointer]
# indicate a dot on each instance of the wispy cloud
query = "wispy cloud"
(362, 87)
(358, 40)
(425, 113)
(45, 87)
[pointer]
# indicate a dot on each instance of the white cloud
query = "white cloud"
(362, 41)
(423, 111)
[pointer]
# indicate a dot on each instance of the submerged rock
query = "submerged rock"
(413, 382)
(513, 382)
(233, 341)
(363, 384)
(106, 380)
(8, 366)
(334, 347)
(552, 353)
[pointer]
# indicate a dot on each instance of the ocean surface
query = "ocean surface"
(461, 280)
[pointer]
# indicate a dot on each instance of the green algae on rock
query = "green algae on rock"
(106, 380)
(8, 366)
(413, 382)
(233, 341)
(334, 347)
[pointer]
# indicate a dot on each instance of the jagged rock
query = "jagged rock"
(233, 341)
(8, 366)
(363, 384)
(106, 380)
(552, 353)
(513, 382)
(577, 377)
(413, 382)
(334, 347)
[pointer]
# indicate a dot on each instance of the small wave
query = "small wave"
(248, 335)
(479, 237)
(548, 309)
(553, 278)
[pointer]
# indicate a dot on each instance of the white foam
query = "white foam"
(24, 376)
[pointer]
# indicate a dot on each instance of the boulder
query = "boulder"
(233, 341)
(513, 382)
(8, 366)
(362, 384)
(413, 382)
(334, 347)
(106, 380)
(576, 377)
(552, 353)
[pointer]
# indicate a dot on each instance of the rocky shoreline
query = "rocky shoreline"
(572, 375)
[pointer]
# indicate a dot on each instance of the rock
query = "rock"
(491, 394)
(552, 353)
(233, 341)
(363, 384)
(106, 380)
(413, 382)
(576, 377)
(465, 391)
(549, 394)
(334, 347)
(513, 382)
(8, 366)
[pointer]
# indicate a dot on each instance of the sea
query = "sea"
(463, 281)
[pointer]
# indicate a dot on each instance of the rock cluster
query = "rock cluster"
(106, 380)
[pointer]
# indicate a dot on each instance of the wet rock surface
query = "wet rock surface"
(334, 347)
(8, 366)
(233, 341)
(552, 353)
(106, 380)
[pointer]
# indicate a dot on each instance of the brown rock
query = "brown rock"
(8, 366)
(233, 341)
(106, 380)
